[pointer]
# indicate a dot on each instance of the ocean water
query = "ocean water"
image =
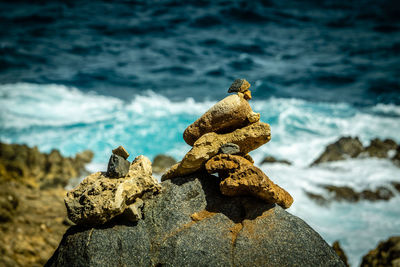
(98, 74)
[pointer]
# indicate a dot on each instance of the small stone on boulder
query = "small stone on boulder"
(230, 148)
(117, 167)
(121, 151)
(239, 85)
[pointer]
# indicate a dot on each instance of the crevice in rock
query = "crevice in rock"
(235, 230)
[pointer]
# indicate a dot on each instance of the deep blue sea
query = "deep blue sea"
(78, 75)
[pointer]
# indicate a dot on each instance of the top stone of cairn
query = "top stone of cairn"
(239, 85)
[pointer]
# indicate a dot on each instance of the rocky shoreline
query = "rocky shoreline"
(32, 212)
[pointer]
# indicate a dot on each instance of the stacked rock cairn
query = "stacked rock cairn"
(118, 192)
(221, 140)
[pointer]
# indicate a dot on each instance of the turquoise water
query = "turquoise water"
(55, 116)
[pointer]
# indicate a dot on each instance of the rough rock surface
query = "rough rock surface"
(32, 224)
(161, 163)
(387, 253)
(247, 138)
(191, 224)
(121, 151)
(239, 86)
(227, 115)
(240, 177)
(230, 148)
(97, 199)
(22, 164)
(117, 167)
(345, 147)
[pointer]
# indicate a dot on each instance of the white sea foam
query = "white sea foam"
(55, 116)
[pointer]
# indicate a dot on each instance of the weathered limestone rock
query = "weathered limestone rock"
(121, 151)
(247, 138)
(227, 115)
(97, 199)
(239, 85)
(240, 177)
(161, 163)
(134, 212)
(230, 148)
(117, 167)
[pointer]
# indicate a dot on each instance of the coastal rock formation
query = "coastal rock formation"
(22, 164)
(387, 253)
(192, 224)
(345, 147)
(161, 163)
(32, 212)
(247, 138)
(98, 198)
(348, 194)
(270, 159)
(379, 148)
(241, 177)
(349, 147)
(230, 113)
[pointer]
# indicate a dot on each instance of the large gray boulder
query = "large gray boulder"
(192, 224)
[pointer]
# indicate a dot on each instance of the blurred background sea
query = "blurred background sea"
(97, 74)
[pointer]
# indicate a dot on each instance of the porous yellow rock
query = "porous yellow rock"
(247, 95)
(247, 138)
(230, 113)
(98, 198)
(241, 177)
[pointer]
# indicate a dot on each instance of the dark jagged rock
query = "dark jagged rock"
(230, 148)
(161, 163)
(396, 185)
(387, 253)
(379, 148)
(192, 224)
(117, 166)
(25, 165)
(270, 159)
(345, 147)
(336, 247)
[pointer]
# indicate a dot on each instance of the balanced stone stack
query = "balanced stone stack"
(221, 140)
(104, 195)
